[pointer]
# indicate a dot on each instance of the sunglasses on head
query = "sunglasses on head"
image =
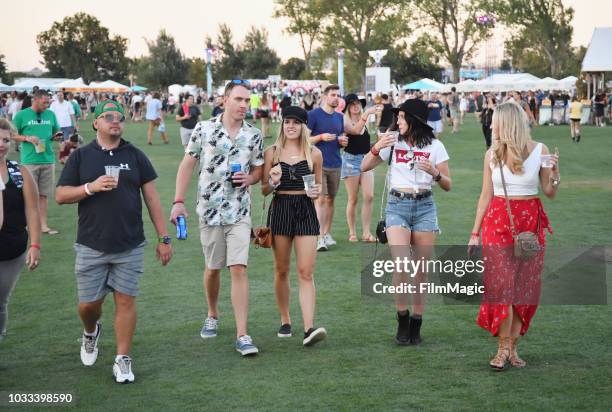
(240, 81)
(109, 117)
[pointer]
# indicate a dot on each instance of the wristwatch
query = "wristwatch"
(166, 240)
(438, 177)
(555, 181)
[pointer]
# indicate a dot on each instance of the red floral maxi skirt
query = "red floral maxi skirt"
(508, 281)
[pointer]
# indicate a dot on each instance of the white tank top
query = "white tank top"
(525, 184)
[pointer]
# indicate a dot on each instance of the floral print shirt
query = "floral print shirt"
(218, 202)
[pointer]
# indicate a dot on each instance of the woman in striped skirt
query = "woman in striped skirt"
(292, 216)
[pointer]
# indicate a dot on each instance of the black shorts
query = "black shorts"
(293, 215)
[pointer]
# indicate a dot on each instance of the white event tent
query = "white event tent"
(598, 59)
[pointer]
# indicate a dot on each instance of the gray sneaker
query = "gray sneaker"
(244, 345)
(209, 330)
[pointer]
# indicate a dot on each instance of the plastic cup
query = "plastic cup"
(40, 147)
(547, 161)
(309, 181)
(113, 171)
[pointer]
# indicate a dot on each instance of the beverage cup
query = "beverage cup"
(40, 147)
(309, 181)
(113, 171)
(234, 168)
(547, 161)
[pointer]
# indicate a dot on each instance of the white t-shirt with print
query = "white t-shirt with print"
(403, 170)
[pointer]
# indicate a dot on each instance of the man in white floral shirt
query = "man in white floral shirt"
(224, 201)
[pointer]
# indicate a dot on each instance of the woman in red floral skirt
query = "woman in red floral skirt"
(512, 285)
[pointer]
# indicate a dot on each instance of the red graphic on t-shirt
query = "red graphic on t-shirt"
(401, 156)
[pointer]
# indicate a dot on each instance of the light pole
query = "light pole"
(341, 70)
(209, 81)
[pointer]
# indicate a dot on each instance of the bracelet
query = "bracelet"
(475, 234)
(272, 184)
(35, 245)
(178, 201)
(87, 191)
(438, 177)
(374, 150)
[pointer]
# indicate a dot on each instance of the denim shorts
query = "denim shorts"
(414, 215)
(351, 165)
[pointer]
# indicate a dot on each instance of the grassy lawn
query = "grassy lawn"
(359, 366)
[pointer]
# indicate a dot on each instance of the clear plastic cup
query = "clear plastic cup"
(41, 147)
(309, 182)
(113, 171)
(547, 161)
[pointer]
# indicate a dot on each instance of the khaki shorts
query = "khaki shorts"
(185, 135)
(44, 177)
(331, 181)
(227, 245)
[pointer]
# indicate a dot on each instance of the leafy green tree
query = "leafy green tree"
(259, 59)
(411, 63)
(455, 23)
(304, 17)
(79, 46)
(2, 68)
(165, 64)
(543, 32)
(197, 72)
(229, 63)
(293, 68)
(359, 26)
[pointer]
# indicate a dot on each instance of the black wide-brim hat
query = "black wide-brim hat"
(351, 98)
(295, 112)
(416, 109)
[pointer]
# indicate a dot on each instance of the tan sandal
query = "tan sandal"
(500, 361)
(352, 238)
(514, 359)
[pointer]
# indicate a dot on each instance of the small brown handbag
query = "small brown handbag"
(526, 244)
(263, 234)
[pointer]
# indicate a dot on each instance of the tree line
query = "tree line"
(420, 35)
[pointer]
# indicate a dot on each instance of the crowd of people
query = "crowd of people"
(323, 138)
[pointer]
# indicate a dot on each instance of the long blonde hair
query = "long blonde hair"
(510, 135)
(305, 146)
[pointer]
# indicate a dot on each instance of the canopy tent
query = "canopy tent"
(41, 82)
(424, 84)
(109, 86)
(568, 83)
(137, 88)
(468, 85)
(508, 82)
(548, 83)
(598, 59)
(72, 85)
(6, 88)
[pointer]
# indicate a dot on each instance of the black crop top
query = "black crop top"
(291, 178)
(13, 234)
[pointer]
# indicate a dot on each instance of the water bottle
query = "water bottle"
(181, 228)
(234, 168)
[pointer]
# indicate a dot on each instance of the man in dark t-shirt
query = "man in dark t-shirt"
(106, 178)
(386, 117)
(189, 115)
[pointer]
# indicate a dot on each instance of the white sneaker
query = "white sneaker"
(329, 241)
(321, 246)
(122, 370)
(89, 346)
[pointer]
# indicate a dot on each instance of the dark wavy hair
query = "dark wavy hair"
(420, 135)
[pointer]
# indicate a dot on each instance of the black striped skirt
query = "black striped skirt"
(293, 215)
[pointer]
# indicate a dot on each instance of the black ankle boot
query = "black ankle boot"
(402, 337)
(573, 140)
(415, 330)
(577, 138)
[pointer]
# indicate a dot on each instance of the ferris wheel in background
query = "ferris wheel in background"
(490, 45)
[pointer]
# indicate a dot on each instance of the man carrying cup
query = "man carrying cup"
(106, 178)
(327, 134)
(224, 203)
(36, 127)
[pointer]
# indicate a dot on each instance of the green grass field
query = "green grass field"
(359, 367)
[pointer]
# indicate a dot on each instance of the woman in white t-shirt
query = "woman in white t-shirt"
(512, 286)
(417, 161)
